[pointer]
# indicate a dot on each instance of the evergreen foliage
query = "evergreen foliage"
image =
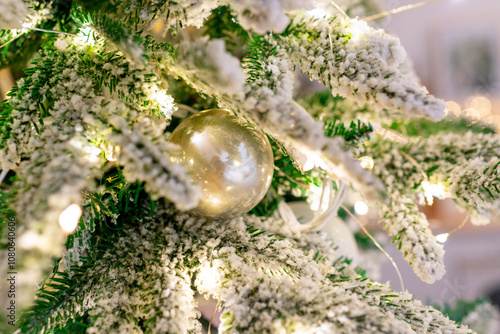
(88, 124)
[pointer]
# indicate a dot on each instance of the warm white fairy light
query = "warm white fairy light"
(308, 165)
(112, 152)
(86, 36)
(210, 275)
(357, 29)
(361, 208)
(68, 219)
(26, 26)
(312, 160)
(165, 101)
(453, 108)
(366, 162)
(92, 153)
(442, 238)
(472, 114)
(432, 190)
(162, 97)
(32, 240)
(481, 104)
(319, 13)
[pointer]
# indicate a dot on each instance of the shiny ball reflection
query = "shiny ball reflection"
(230, 159)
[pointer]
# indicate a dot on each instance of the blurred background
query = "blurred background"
(455, 49)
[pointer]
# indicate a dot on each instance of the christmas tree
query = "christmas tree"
(124, 210)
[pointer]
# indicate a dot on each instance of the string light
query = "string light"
(319, 13)
(441, 238)
(210, 275)
(339, 9)
(476, 107)
(68, 219)
(86, 36)
(92, 153)
(472, 114)
(432, 190)
(366, 162)
(16, 34)
(378, 246)
(308, 165)
(399, 10)
(493, 119)
(453, 107)
(28, 26)
(312, 159)
(480, 104)
(112, 153)
(357, 29)
(361, 208)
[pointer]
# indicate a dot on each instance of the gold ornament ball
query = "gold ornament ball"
(230, 159)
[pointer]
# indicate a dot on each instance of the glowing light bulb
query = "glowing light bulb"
(311, 159)
(319, 13)
(472, 113)
(165, 101)
(361, 208)
(86, 36)
(308, 165)
(453, 107)
(481, 104)
(366, 162)
(68, 219)
(432, 190)
(112, 153)
(209, 276)
(92, 153)
(441, 238)
(357, 29)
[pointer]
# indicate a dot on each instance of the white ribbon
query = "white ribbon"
(319, 220)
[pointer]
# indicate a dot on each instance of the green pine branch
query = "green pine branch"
(111, 212)
(259, 50)
(223, 25)
(114, 31)
(17, 54)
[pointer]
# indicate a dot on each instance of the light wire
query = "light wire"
(339, 9)
(212, 318)
(378, 246)
(398, 10)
